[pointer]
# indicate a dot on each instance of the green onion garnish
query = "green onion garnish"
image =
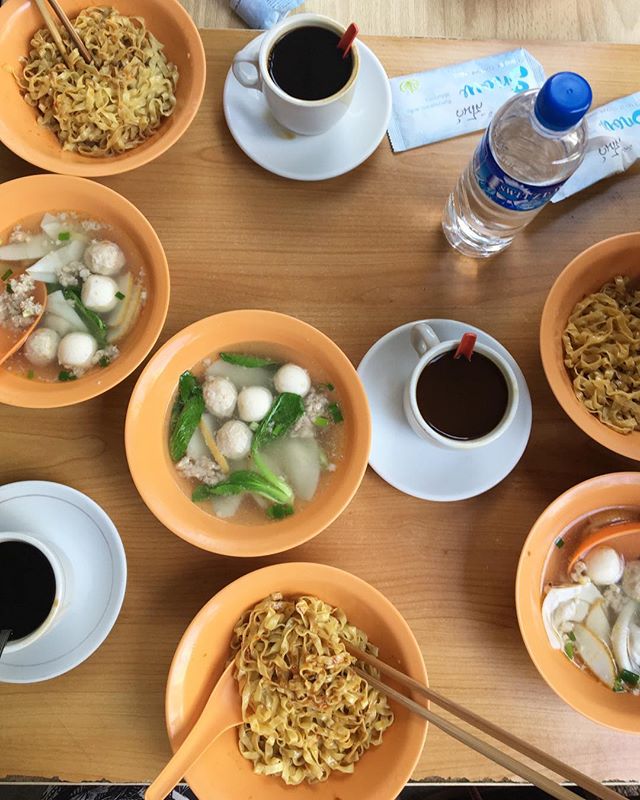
(9, 289)
(104, 361)
(7, 275)
(31, 374)
(328, 386)
(629, 677)
(336, 413)
(64, 375)
(321, 422)
(64, 236)
(571, 635)
(569, 650)
(617, 685)
(119, 295)
(559, 542)
(279, 511)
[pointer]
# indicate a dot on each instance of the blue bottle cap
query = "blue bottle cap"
(563, 101)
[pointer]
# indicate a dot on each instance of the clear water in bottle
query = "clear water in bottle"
(534, 143)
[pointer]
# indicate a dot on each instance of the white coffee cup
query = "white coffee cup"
(61, 597)
(428, 346)
(308, 117)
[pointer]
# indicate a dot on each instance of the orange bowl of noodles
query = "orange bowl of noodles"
(206, 647)
(102, 135)
(601, 335)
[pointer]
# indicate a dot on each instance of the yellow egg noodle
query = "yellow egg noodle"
(111, 105)
(306, 712)
(602, 351)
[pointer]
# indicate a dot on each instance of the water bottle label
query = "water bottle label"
(502, 188)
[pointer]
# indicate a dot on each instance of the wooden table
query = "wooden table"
(355, 256)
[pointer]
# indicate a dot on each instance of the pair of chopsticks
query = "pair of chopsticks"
(530, 774)
(55, 33)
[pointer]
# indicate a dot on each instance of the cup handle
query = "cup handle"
(423, 338)
(248, 55)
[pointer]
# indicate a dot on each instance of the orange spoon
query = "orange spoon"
(601, 536)
(11, 340)
(221, 712)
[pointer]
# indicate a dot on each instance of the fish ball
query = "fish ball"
(292, 378)
(254, 403)
(41, 347)
(604, 565)
(220, 396)
(631, 580)
(104, 258)
(76, 350)
(99, 293)
(234, 439)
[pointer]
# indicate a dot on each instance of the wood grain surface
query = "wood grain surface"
(578, 20)
(355, 256)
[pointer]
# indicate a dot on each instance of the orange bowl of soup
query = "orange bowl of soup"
(20, 129)
(322, 462)
(140, 280)
(602, 512)
(205, 649)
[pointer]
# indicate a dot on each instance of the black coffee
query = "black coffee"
(306, 63)
(462, 399)
(27, 588)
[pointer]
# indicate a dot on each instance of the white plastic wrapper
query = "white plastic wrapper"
(457, 99)
(263, 14)
(613, 144)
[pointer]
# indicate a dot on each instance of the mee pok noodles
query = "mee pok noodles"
(306, 712)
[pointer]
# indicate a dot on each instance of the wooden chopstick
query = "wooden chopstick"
(75, 38)
(53, 30)
(521, 746)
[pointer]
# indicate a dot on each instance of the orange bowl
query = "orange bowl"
(31, 197)
(146, 432)
(582, 692)
(19, 129)
(222, 773)
(619, 255)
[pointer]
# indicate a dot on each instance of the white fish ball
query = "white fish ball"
(41, 347)
(234, 439)
(220, 396)
(76, 350)
(254, 403)
(292, 378)
(604, 565)
(99, 293)
(104, 258)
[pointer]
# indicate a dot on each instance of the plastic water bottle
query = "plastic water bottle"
(534, 142)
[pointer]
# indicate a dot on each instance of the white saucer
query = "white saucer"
(312, 158)
(413, 465)
(82, 532)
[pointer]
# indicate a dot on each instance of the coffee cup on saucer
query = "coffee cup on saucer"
(35, 588)
(458, 403)
(307, 83)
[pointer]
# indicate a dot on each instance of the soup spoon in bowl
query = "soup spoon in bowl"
(11, 340)
(221, 713)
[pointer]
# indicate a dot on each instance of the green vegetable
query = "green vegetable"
(9, 288)
(286, 410)
(120, 295)
(280, 511)
(64, 375)
(328, 386)
(321, 422)
(243, 480)
(31, 374)
(571, 636)
(569, 649)
(629, 677)
(244, 360)
(559, 542)
(104, 361)
(95, 325)
(53, 287)
(336, 412)
(185, 415)
(64, 236)
(617, 685)
(7, 275)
